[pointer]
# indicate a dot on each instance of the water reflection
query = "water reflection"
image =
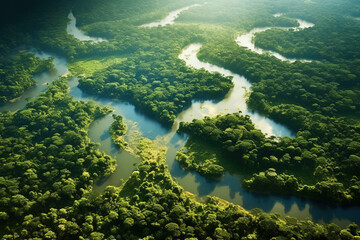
(233, 102)
(148, 127)
(42, 81)
(246, 40)
(228, 188)
(137, 123)
(99, 133)
(169, 19)
(77, 33)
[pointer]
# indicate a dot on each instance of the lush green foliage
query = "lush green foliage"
(87, 67)
(328, 89)
(118, 130)
(333, 38)
(152, 206)
(16, 73)
(318, 99)
(46, 157)
(324, 168)
(48, 164)
(167, 85)
(201, 157)
(159, 86)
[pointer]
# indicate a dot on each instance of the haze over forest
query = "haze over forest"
(180, 119)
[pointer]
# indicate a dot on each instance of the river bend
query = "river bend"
(229, 187)
(77, 33)
(246, 40)
(169, 19)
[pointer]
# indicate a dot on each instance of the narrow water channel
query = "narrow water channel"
(77, 33)
(233, 102)
(42, 81)
(169, 19)
(247, 39)
(229, 187)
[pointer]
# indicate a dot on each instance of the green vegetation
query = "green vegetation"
(48, 164)
(117, 131)
(291, 90)
(46, 157)
(269, 181)
(317, 99)
(89, 66)
(151, 205)
(322, 42)
(16, 73)
(201, 157)
(157, 85)
(320, 168)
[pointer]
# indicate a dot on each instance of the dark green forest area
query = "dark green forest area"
(118, 130)
(17, 73)
(283, 162)
(156, 85)
(49, 165)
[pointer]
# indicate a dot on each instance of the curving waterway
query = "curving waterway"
(77, 33)
(233, 102)
(229, 187)
(246, 40)
(42, 81)
(169, 19)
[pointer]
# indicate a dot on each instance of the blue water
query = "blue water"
(228, 188)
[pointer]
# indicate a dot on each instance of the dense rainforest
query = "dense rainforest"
(46, 157)
(303, 165)
(156, 86)
(150, 205)
(17, 73)
(49, 165)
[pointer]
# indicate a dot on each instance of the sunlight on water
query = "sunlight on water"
(246, 40)
(233, 102)
(42, 81)
(77, 33)
(169, 19)
(229, 187)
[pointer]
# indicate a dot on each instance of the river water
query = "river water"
(233, 102)
(229, 187)
(42, 80)
(77, 33)
(246, 40)
(169, 19)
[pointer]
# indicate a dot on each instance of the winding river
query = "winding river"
(42, 81)
(246, 40)
(229, 187)
(169, 19)
(233, 102)
(77, 33)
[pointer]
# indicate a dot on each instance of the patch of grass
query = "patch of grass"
(201, 157)
(88, 66)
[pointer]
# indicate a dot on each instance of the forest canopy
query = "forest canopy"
(49, 165)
